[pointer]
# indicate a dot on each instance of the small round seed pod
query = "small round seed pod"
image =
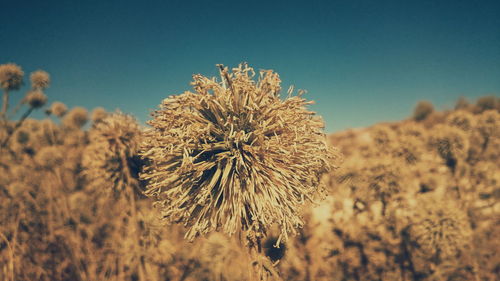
(40, 80)
(36, 99)
(59, 109)
(11, 76)
(76, 118)
(98, 114)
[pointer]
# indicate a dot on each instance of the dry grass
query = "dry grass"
(411, 201)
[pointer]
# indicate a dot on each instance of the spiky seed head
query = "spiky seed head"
(36, 99)
(234, 156)
(76, 118)
(40, 80)
(59, 109)
(109, 158)
(11, 76)
(423, 110)
(440, 227)
(98, 114)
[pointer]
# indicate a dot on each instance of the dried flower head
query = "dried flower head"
(11, 76)
(235, 156)
(36, 99)
(40, 80)
(59, 109)
(76, 118)
(440, 227)
(109, 159)
(98, 114)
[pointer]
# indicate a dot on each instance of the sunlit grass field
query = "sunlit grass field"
(236, 180)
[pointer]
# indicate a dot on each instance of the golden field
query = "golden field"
(235, 181)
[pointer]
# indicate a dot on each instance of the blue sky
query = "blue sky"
(361, 61)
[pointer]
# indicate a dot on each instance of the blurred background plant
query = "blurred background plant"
(413, 200)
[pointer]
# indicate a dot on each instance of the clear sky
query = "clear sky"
(362, 61)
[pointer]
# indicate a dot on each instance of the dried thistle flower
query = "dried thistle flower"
(109, 158)
(59, 109)
(11, 76)
(98, 114)
(40, 80)
(76, 118)
(441, 228)
(234, 156)
(36, 99)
